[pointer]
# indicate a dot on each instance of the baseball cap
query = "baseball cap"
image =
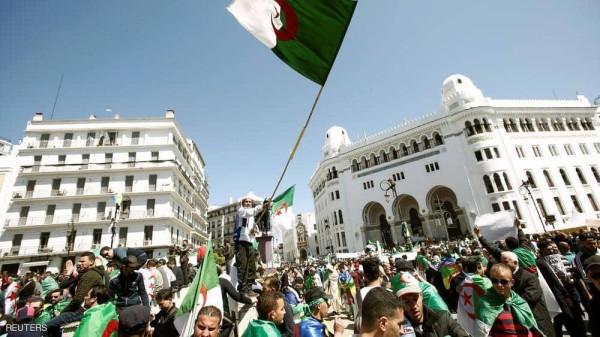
(134, 319)
(316, 293)
(592, 261)
(405, 283)
(587, 236)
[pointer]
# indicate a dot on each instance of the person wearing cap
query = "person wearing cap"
(271, 312)
(120, 253)
(128, 287)
(588, 247)
(134, 321)
(592, 269)
(243, 236)
(501, 311)
(383, 315)
(317, 301)
(427, 322)
(292, 293)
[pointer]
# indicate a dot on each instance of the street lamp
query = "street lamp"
(70, 236)
(524, 190)
(440, 212)
(386, 186)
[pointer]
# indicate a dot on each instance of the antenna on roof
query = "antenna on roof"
(553, 93)
(56, 98)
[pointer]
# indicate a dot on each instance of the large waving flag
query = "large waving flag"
(99, 321)
(448, 270)
(305, 34)
(473, 287)
(203, 291)
(281, 210)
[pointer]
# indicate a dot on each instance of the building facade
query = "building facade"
(474, 155)
(299, 241)
(8, 173)
(221, 218)
(72, 172)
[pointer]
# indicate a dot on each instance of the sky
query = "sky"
(244, 107)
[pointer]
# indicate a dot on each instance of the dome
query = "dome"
(459, 90)
(335, 137)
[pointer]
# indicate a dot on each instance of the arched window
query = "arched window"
(355, 166)
(374, 160)
(340, 217)
(415, 146)
(530, 179)
(513, 125)
(425, 142)
(469, 129)
(565, 177)
(486, 125)
(488, 184)
(478, 128)
(507, 181)
(404, 150)
(507, 125)
(548, 178)
(581, 176)
(589, 123)
(364, 163)
(438, 139)
(498, 182)
(334, 172)
(393, 152)
(596, 174)
(383, 157)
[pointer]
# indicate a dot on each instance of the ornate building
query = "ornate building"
(474, 155)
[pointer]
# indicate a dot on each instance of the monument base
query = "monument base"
(265, 248)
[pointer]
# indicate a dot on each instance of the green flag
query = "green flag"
(281, 210)
(99, 321)
(492, 304)
(305, 34)
(431, 297)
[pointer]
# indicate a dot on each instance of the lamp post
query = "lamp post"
(386, 186)
(442, 213)
(70, 236)
(524, 189)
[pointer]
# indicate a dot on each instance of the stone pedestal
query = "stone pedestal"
(265, 248)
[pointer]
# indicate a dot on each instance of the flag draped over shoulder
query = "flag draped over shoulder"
(492, 304)
(305, 34)
(526, 259)
(99, 321)
(473, 287)
(203, 291)
(281, 209)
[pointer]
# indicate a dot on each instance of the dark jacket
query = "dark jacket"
(439, 323)
(528, 287)
(129, 290)
(121, 253)
(164, 325)
(178, 283)
(86, 280)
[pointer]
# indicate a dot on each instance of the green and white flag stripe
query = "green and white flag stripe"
(305, 34)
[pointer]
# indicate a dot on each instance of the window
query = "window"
(104, 185)
(44, 138)
(154, 156)
(148, 235)
(548, 178)
(520, 152)
(67, 140)
(559, 206)
(152, 182)
(131, 162)
(75, 212)
(108, 158)
(596, 174)
(85, 160)
(530, 179)
(497, 152)
(478, 156)
(100, 210)
(584, 149)
(341, 218)
(80, 186)
(565, 177)
(44, 238)
(597, 147)
(517, 210)
(496, 207)
(128, 183)
(592, 202)
(61, 160)
(489, 188)
(23, 214)
(55, 186)
(123, 236)
(581, 176)
(536, 151)
(569, 150)
(17, 239)
(553, 151)
(150, 207)
(506, 205)
(91, 136)
(37, 162)
(337, 194)
(507, 181)
(488, 154)
(97, 237)
(576, 203)
(30, 188)
(498, 182)
(541, 206)
(50, 214)
(135, 138)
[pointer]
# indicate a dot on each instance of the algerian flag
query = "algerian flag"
(492, 304)
(473, 287)
(281, 210)
(305, 34)
(99, 321)
(203, 291)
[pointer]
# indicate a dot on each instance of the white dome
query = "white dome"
(459, 90)
(335, 137)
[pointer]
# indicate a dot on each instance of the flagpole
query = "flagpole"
(298, 140)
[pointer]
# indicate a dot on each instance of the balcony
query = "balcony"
(61, 143)
(42, 250)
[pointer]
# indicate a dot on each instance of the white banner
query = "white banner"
(497, 226)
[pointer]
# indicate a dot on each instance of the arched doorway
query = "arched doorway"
(386, 231)
(406, 209)
(303, 255)
(376, 226)
(444, 211)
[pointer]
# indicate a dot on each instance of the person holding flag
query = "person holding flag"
(471, 289)
(100, 316)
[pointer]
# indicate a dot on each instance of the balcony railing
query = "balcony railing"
(60, 143)
(37, 249)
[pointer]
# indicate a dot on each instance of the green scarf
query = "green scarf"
(526, 259)
(260, 328)
(492, 304)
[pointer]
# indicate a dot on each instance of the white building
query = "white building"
(470, 157)
(297, 239)
(72, 170)
(221, 218)
(8, 173)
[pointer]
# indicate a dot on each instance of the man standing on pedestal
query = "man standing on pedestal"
(244, 252)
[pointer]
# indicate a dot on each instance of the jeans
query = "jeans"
(246, 266)
(54, 324)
